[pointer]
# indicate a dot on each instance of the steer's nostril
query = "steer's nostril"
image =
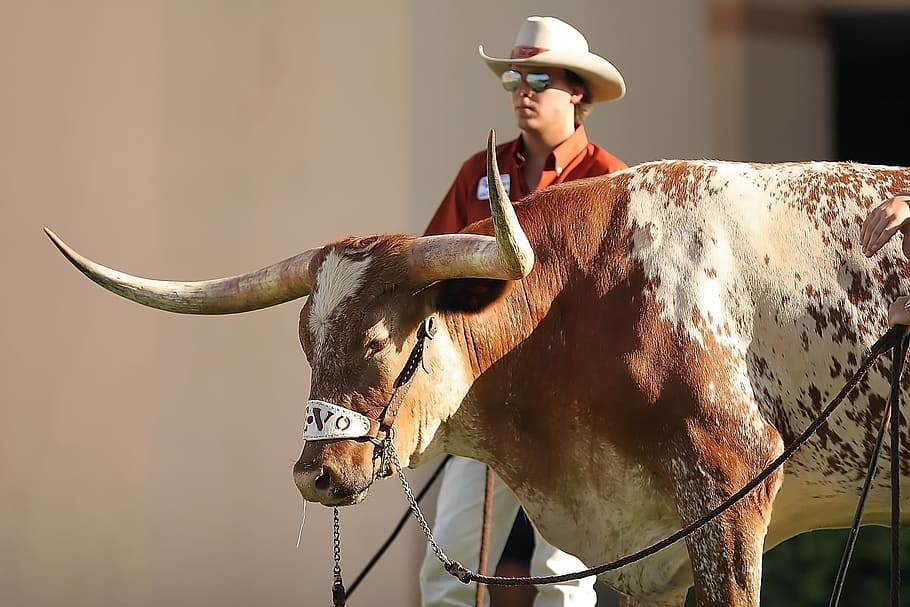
(324, 483)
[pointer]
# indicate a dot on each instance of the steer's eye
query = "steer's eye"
(376, 346)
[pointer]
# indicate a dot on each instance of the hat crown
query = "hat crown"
(551, 34)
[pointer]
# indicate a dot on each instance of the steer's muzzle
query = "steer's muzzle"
(334, 473)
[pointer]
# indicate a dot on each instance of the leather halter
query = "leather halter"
(328, 421)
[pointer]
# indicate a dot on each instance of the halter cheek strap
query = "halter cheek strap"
(328, 421)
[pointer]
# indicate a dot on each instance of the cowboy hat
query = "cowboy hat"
(551, 42)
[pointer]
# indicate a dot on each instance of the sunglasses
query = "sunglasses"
(537, 82)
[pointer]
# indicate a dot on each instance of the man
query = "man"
(552, 79)
(884, 221)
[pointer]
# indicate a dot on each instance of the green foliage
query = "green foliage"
(801, 571)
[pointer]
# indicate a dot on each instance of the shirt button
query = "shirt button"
(559, 170)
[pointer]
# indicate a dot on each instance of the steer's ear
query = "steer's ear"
(469, 294)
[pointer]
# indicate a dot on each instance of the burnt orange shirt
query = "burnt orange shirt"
(468, 200)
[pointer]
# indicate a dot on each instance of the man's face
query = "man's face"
(542, 109)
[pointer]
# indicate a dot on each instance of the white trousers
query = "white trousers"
(459, 521)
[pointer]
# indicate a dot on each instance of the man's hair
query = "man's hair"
(583, 107)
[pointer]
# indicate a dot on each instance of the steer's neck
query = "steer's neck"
(517, 362)
(553, 384)
(549, 359)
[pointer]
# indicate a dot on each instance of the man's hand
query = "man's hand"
(898, 313)
(883, 222)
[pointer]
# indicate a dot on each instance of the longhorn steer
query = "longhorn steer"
(683, 321)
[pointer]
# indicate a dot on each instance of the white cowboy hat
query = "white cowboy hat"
(551, 42)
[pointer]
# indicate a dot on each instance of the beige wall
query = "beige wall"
(772, 80)
(145, 457)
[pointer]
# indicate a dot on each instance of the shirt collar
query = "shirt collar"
(566, 151)
(562, 154)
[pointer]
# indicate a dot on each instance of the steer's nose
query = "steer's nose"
(316, 482)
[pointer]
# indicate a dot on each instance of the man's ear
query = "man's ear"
(469, 295)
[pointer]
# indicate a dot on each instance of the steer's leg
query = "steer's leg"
(715, 459)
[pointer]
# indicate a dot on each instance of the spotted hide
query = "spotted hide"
(682, 323)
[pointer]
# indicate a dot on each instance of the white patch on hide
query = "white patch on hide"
(441, 391)
(338, 279)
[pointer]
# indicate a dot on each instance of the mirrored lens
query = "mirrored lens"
(510, 80)
(537, 82)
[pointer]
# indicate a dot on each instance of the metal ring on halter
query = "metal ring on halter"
(383, 447)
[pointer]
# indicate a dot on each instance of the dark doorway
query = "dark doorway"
(871, 79)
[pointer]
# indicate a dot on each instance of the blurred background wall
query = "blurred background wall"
(145, 458)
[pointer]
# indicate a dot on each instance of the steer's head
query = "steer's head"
(370, 324)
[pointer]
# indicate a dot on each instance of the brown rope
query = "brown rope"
(485, 534)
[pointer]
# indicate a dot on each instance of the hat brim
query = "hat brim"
(603, 80)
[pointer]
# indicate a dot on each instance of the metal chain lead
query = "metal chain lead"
(412, 502)
(339, 595)
(336, 541)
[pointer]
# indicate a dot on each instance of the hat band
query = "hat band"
(523, 52)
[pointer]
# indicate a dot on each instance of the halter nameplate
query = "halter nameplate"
(324, 421)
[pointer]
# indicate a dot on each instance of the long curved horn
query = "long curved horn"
(269, 286)
(507, 256)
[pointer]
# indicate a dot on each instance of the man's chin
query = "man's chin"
(525, 123)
